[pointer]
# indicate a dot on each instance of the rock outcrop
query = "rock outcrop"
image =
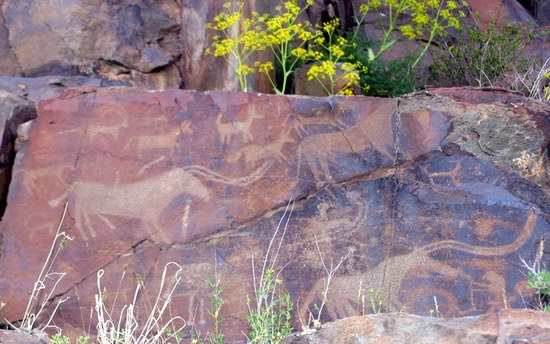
(14, 111)
(434, 195)
(156, 44)
(508, 326)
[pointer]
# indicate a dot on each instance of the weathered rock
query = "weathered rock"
(38, 88)
(424, 200)
(505, 12)
(542, 11)
(508, 326)
(14, 111)
(83, 37)
(19, 337)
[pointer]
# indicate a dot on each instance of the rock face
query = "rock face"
(156, 44)
(82, 37)
(434, 195)
(508, 326)
(14, 111)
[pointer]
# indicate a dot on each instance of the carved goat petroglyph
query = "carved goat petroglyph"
(144, 200)
(236, 128)
(109, 113)
(387, 277)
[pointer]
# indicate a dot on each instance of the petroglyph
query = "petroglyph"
(144, 200)
(37, 180)
(256, 153)
(110, 113)
(236, 128)
(320, 151)
(388, 276)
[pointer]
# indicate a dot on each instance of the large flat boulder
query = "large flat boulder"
(507, 326)
(432, 195)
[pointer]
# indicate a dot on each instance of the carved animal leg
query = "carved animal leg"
(107, 222)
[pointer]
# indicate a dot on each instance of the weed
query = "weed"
(269, 312)
(540, 282)
(293, 43)
(217, 302)
(314, 320)
(538, 279)
(435, 311)
(383, 78)
(127, 329)
(375, 301)
(483, 57)
(534, 82)
(58, 338)
(336, 68)
(38, 301)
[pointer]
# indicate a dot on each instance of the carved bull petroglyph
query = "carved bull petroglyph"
(144, 200)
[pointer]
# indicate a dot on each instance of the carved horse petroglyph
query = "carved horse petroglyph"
(387, 277)
(144, 200)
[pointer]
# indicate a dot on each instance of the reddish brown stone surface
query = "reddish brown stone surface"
(419, 192)
(19, 337)
(508, 326)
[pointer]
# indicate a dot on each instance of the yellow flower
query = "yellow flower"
(407, 31)
(265, 67)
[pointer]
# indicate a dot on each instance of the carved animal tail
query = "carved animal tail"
(525, 234)
(216, 177)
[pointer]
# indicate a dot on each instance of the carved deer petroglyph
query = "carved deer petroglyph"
(387, 277)
(144, 200)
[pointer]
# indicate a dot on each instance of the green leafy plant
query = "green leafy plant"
(58, 338)
(383, 78)
(269, 312)
(429, 19)
(538, 279)
(540, 282)
(216, 301)
(483, 57)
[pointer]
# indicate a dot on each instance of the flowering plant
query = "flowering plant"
(294, 42)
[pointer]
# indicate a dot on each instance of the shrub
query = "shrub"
(483, 57)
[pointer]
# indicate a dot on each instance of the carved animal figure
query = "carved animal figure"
(388, 276)
(236, 128)
(256, 153)
(145, 199)
(319, 151)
